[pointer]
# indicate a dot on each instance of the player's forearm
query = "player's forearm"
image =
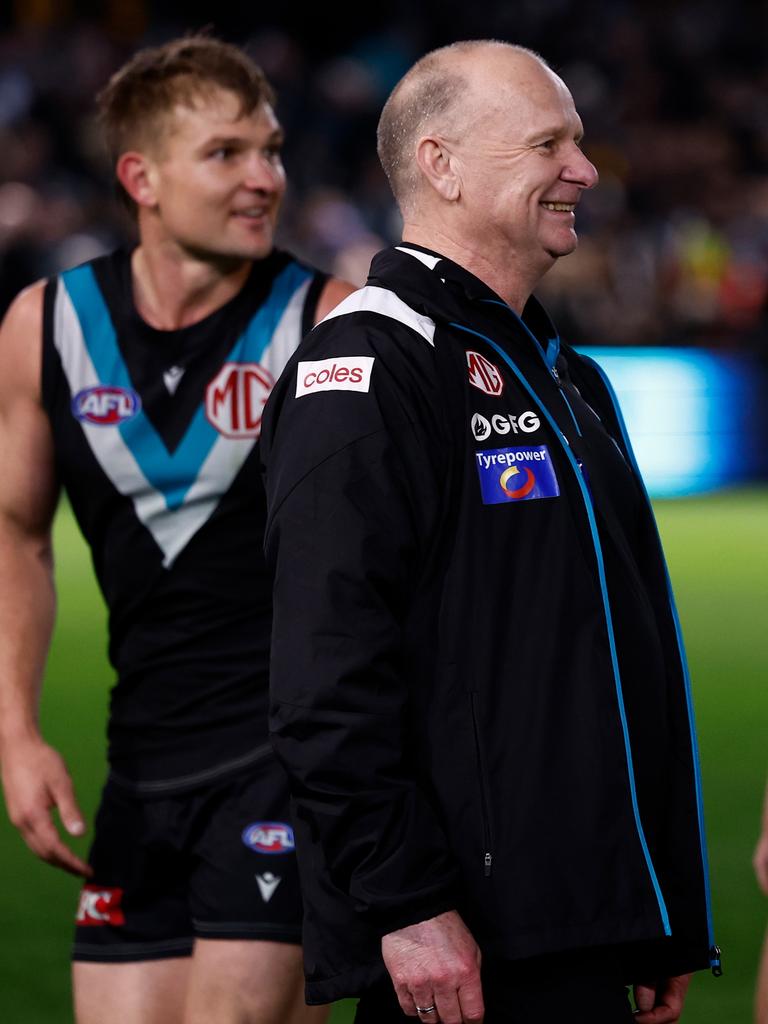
(27, 607)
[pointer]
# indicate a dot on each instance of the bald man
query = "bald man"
(479, 688)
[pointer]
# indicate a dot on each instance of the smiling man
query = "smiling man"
(137, 382)
(478, 683)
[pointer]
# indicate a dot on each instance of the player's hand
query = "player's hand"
(760, 862)
(436, 963)
(661, 1003)
(36, 780)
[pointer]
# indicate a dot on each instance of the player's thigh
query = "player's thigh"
(248, 982)
(149, 992)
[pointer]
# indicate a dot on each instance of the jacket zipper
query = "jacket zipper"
(664, 914)
(484, 801)
(714, 949)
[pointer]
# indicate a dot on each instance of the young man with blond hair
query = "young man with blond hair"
(136, 382)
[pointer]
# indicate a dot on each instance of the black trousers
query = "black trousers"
(541, 992)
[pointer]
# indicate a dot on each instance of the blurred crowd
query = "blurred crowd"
(674, 97)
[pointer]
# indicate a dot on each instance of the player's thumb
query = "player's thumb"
(71, 816)
(645, 997)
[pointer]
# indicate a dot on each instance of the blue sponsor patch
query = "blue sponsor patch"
(269, 837)
(516, 474)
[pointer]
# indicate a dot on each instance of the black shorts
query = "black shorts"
(214, 863)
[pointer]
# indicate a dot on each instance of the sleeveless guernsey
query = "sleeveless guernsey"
(155, 436)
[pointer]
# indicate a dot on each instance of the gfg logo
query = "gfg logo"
(105, 405)
(269, 837)
(481, 427)
(235, 399)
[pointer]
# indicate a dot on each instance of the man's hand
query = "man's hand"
(35, 780)
(661, 1003)
(760, 862)
(436, 963)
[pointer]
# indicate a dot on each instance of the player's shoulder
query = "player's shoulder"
(21, 340)
(23, 320)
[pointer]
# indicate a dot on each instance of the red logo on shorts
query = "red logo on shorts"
(99, 906)
(483, 375)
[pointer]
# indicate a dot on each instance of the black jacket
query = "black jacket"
(478, 683)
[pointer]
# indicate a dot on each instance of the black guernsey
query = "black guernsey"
(155, 438)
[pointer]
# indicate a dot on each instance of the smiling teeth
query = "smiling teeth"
(560, 207)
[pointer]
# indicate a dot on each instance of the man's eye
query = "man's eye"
(273, 153)
(547, 144)
(222, 153)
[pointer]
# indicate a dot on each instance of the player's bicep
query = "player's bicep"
(28, 487)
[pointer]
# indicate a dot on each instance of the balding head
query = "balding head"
(434, 96)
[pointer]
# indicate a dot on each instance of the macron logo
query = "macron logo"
(347, 373)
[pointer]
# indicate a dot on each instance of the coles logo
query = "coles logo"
(105, 405)
(235, 399)
(99, 906)
(269, 837)
(483, 375)
(482, 427)
(347, 373)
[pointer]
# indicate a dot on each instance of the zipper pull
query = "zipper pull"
(714, 961)
(488, 860)
(555, 374)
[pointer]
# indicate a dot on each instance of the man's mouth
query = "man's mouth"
(559, 207)
(253, 212)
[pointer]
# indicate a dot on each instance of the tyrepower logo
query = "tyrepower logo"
(516, 474)
(483, 375)
(269, 837)
(99, 906)
(482, 427)
(235, 399)
(348, 373)
(105, 405)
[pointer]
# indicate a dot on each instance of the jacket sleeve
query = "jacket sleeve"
(354, 488)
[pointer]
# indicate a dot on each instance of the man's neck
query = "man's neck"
(508, 277)
(173, 290)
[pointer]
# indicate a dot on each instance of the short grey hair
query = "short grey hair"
(428, 97)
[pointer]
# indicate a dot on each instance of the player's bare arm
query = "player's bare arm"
(334, 291)
(35, 778)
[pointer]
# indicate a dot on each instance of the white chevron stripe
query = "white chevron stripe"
(287, 334)
(380, 300)
(171, 529)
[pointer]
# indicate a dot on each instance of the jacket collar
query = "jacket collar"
(446, 292)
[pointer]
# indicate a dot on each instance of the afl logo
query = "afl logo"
(269, 837)
(235, 398)
(483, 375)
(106, 405)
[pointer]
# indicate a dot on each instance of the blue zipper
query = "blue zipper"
(714, 950)
(606, 607)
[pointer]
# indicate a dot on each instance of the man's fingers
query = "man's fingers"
(645, 997)
(64, 797)
(43, 839)
(471, 1002)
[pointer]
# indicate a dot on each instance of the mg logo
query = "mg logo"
(483, 375)
(235, 398)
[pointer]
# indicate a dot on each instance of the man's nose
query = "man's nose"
(262, 174)
(581, 170)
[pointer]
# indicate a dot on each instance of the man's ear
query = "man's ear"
(439, 167)
(134, 172)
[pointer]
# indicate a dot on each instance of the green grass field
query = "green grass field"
(718, 553)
